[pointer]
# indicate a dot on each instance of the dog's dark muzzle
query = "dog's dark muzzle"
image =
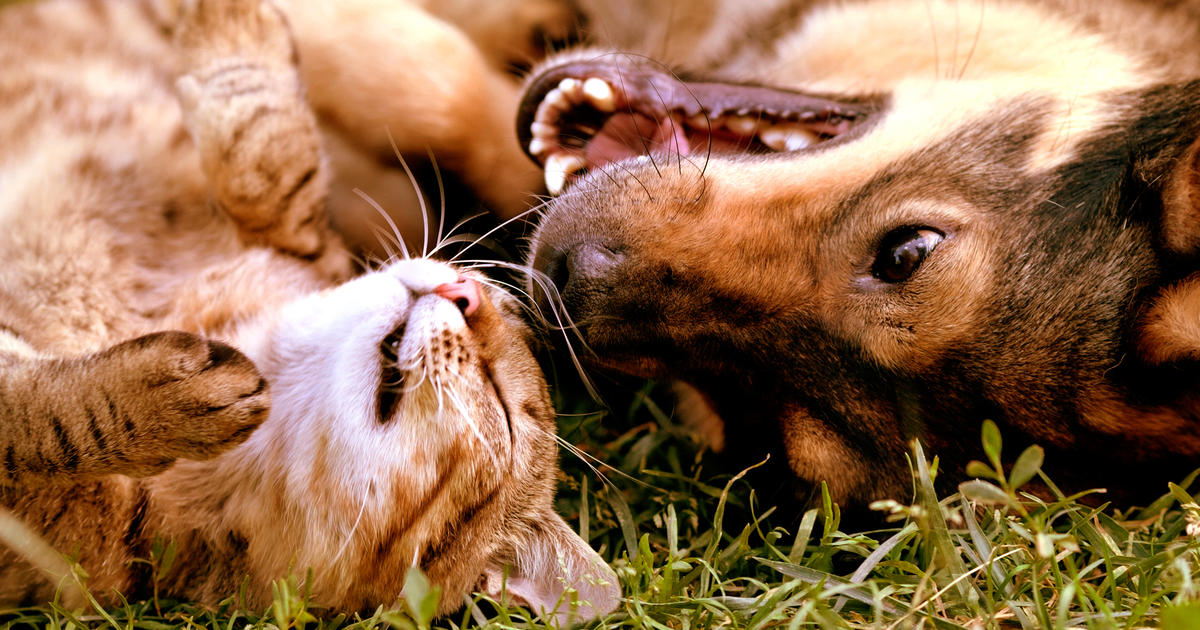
(576, 278)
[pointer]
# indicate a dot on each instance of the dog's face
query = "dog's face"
(860, 255)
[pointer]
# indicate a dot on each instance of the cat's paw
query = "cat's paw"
(214, 35)
(243, 103)
(181, 395)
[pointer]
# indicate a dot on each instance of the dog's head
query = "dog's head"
(862, 252)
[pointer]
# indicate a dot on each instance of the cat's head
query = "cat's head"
(410, 425)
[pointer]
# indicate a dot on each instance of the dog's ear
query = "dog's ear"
(1181, 204)
(1170, 328)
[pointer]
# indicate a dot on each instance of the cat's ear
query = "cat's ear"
(555, 573)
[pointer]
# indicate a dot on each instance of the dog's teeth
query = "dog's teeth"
(572, 89)
(600, 94)
(553, 104)
(700, 121)
(556, 98)
(538, 146)
(787, 137)
(547, 113)
(558, 167)
(543, 130)
(742, 125)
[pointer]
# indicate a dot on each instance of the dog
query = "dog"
(840, 227)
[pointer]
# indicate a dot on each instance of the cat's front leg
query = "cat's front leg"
(131, 409)
(244, 105)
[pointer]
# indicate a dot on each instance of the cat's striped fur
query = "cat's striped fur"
(162, 199)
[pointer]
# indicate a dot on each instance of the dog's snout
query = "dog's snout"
(584, 268)
(592, 260)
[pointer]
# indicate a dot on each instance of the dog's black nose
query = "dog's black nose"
(582, 270)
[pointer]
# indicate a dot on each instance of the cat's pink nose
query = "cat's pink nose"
(464, 293)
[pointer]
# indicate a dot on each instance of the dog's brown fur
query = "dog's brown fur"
(1053, 145)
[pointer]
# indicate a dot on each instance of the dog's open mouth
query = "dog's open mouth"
(587, 114)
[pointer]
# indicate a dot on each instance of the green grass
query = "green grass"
(694, 548)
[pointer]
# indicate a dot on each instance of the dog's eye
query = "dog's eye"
(902, 252)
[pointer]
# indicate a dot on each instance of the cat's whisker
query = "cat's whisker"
(510, 288)
(465, 415)
(587, 458)
(353, 528)
(416, 190)
(534, 309)
(385, 242)
(520, 215)
(386, 217)
(547, 286)
(360, 261)
(445, 240)
(437, 176)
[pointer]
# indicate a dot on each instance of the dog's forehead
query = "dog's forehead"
(869, 47)
(943, 126)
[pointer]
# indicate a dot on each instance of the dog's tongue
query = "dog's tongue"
(627, 135)
(631, 134)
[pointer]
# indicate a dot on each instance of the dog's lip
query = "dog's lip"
(593, 112)
(632, 364)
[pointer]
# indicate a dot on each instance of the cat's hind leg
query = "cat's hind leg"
(244, 104)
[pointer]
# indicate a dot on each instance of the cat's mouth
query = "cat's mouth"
(399, 374)
(587, 114)
(391, 377)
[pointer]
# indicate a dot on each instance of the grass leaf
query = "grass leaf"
(1026, 466)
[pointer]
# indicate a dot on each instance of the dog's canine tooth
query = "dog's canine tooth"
(786, 137)
(572, 89)
(558, 167)
(600, 94)
(742, 125)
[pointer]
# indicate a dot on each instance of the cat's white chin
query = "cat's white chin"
(333, 357)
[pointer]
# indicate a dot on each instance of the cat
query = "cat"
(186, 356)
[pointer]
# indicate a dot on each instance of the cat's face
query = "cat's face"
(408, 429)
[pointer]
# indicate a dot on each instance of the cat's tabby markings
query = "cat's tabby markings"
(170, 284)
